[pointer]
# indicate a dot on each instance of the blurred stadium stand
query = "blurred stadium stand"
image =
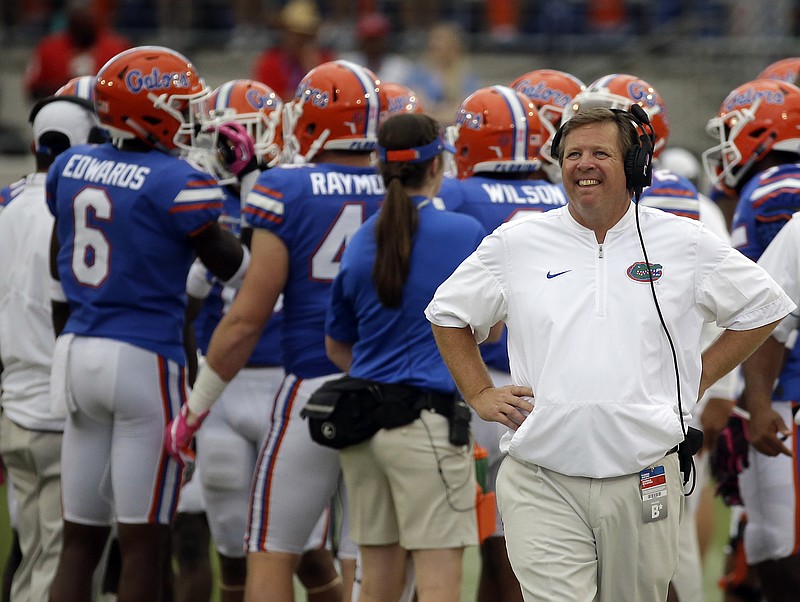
(693, 52)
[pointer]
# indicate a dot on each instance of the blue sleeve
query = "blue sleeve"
(766, 204)
(269, 206)
(340, 321)
(197, 205)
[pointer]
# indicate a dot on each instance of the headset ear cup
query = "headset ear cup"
(630, 167)
(556, 142)
(642, 175)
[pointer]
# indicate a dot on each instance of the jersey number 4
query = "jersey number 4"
(327, 257)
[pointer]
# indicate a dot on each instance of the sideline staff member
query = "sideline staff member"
(376, 329)
(594, 408)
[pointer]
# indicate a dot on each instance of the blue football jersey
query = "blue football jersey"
(315, 210)
(124, 223)
(673, 193)
(494, 202)
(766, 203)
(10, 192)
(267, 351)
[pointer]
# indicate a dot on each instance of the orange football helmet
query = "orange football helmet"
(756, 118)
(620, 91)
(551, 91)
(82, 87)
(496, 130)
(257, 107)
(786, 70)
(400, 99)
(337, 106)
(154, 94)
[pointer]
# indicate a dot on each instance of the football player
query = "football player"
(400, 99)
(785, 70)
(129, 218)
(498, 135)
(302, 215)
(245, 125)
(757, 155)
(551, 91)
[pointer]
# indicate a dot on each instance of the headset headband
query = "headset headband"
(82, 102)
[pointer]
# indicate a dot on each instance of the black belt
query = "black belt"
(672, 451)
(441, 403)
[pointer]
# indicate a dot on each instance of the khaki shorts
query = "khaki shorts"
(410, 486)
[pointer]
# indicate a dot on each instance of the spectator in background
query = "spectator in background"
(374, 34)
(442, 77)
(249, 17)
(502, 17)
(773, 19)
(81, 49)
(283, 66)
(415, 17)
(607, 16)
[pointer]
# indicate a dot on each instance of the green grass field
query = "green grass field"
(713, 567)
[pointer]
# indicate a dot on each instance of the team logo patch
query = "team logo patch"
(136, 80)
(543, 93)
(470, 120)
(399, 103)
(638, 271)
(745, 98)
(258, 100)
(316, 96)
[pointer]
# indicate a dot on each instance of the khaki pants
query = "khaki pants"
(580, 539)
(33, 459)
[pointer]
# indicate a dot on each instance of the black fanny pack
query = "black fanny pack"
(346, 410)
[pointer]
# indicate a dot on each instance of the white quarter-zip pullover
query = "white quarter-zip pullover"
(585, 335)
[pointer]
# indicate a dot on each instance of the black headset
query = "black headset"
(638, 162)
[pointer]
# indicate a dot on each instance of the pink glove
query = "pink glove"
(730, 458)
(236, 148)
(178, 437)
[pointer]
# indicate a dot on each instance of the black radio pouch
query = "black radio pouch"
(459, 423)
(689, 447)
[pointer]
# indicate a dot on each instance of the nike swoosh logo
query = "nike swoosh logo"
(549, 275)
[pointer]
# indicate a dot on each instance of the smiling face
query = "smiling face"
(593, 172)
